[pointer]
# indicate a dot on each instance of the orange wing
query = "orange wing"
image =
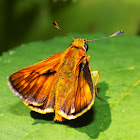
(85, 94)
(81, 96)
(32, 84)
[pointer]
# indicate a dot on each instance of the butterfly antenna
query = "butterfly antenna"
(56, 25)
(117, 33)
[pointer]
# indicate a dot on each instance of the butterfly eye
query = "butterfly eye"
(86, 46)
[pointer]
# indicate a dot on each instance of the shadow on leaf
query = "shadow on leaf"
(39, 117)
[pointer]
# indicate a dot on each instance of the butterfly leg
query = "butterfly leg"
(95, 75)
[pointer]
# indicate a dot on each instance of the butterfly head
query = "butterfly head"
(81, 42)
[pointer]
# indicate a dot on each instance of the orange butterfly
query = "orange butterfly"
(62, 83)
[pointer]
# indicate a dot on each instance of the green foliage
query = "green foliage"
(24, 21)
(118, 62)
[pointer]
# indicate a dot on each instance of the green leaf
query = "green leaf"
(118, 61)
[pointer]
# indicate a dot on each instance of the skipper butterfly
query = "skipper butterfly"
(63, 83)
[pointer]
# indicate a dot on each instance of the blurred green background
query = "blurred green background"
(23, 21)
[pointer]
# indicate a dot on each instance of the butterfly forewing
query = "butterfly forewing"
(85, 92)
(32, 84)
